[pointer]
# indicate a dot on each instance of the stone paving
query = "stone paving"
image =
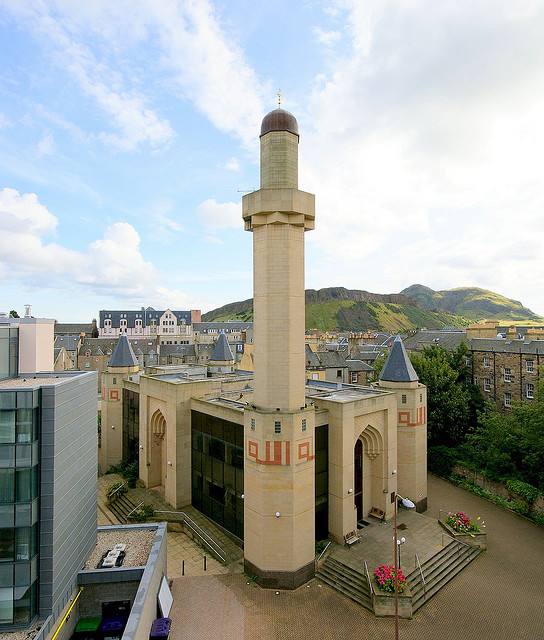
(422, 533)
(499, 596)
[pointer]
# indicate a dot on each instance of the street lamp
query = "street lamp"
(409, 505)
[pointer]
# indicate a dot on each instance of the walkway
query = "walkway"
(498, 597)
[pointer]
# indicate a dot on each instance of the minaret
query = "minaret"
(279, 504)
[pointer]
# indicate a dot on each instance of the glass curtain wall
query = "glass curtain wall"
(131, 425)
(19, 491)
(218, 470)
(321, 482)
(9, 347)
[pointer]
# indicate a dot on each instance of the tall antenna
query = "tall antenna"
(279, 98)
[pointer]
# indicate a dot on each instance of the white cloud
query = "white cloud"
(113, 264)
(326, 38)
(232, 164)
(220, 215)
(424, 150)
(202, 57)
(46, 144)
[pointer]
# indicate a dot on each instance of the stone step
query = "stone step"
(346, 569)
(121, 507)
(346, 590)
(431, 563)
(337, 574)
(421, 597)
(437, 568)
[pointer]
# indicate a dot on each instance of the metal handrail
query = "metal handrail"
(116, 490)
(369, 580)
(133, 510)
(204, 537)
(422, 576)
(324, 551)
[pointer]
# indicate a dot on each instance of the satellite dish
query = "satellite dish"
(408, 503)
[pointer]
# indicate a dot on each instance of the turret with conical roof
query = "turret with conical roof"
(123, 355)
(222, 358)
(399, 375)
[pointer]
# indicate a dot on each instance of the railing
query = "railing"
(459, 542)
(110, 497)
(133, 510)
(323, 552)
(205, 539)
(418, 564)
(369, 580)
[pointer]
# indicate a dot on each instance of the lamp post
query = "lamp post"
(409, 505)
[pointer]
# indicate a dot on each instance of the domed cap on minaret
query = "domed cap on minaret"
(123, 355)
(279, 120)
(397, 367)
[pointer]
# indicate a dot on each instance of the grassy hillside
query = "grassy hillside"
(469, 302)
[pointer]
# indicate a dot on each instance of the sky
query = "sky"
(129, 131)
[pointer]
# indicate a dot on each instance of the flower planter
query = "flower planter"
(384, 604)
(474, 539)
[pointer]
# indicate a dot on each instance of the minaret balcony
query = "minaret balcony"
(278, 206)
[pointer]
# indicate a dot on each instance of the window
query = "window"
(315, 376)
(530, 391)
(529, 366)
(353, 377)
(252, 424)
(507, 399)
(487, 384)
(403, 398)
(487, 361)
(339, 373)
(303, 424)
(421, 397)
(508, 374)
(277, 426)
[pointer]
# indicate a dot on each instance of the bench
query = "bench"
(377, 513)
(351, 538)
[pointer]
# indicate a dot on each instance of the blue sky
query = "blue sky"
(127, 130)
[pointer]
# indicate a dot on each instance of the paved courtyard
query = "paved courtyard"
(499, 596)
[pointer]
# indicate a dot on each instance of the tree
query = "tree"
(13, 314)
(452, 399)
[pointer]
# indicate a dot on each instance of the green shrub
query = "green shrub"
(117, 489)
(143, 513)
(441, 460)
(538, 518)
(523, 490)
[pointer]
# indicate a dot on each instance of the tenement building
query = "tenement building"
(278, 460)
(47, 475)
(507, 371)
(147, 322)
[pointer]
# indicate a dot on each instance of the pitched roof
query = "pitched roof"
(68, 342)
(358, 365)
(222, 351)
(425, 338)
(72, 328)
(123, 355)
(397, 367)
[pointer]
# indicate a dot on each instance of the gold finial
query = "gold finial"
(279, 98)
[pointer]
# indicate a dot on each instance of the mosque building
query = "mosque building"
(277, 460)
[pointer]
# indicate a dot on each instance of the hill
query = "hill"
(352, 309)
(469, 302)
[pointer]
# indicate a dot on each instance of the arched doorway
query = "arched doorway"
(367, 468)
(157, 469)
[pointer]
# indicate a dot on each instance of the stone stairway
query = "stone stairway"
(346, 580)
(121, 507)
(438, 570)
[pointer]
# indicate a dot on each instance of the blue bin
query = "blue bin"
(160, 629)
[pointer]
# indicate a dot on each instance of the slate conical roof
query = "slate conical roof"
(397, 367)
(222, 351)
(123, 355)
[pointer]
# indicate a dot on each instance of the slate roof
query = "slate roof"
(123, 355)
(72, 329)
(222, 351)
(358, 365)
(106, 346)
(227, 327)
(366, 355)
(68, 342)
(312, 360)
(501, 345)
(325, 359)
(143, 314)
(186, 350)
(448, 339)
(397, 367)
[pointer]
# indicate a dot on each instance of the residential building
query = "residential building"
(507, 371)
(148, 322)
(448, 339)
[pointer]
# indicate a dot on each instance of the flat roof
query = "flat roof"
(338, 392)
(138, 545)
(39, 380)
